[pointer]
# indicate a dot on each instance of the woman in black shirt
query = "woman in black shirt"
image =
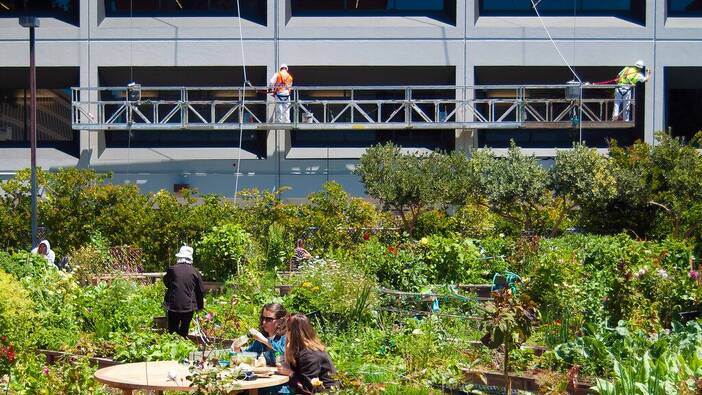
(311, 369)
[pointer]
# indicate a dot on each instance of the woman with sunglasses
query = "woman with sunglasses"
(310, 367)
(269, 339)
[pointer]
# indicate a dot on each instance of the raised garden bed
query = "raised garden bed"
(52, 356)
(520, 381)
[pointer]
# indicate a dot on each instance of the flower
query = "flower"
(641, 272)
(663, 273)
(366, 236)
(417, 331)
(423, 241)
(209, 317)
(45, 371)
(392, 250)
(306, 284)
(316, 382)
(694, 274)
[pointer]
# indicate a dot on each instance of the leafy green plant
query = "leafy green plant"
(145, 346)
(339, 295)
(509, 320)
(668, 374)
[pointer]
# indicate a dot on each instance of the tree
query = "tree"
(409, 183)
(677, 185)
(509, 319)
(515, 187)
(580, 178)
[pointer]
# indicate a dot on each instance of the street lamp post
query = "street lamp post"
(32, 22)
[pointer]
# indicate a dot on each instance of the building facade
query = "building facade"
(327, 43)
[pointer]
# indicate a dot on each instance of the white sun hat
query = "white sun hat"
(185, 253)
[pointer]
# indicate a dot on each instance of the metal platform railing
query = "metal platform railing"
(348, 107)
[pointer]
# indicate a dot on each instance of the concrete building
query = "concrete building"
(327, 43)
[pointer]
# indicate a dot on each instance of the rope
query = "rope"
(243, 105)
(548, 33)
(613, 80)
(577, 77)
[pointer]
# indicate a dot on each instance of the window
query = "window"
(438, 9)
(66, 10)
(685, 8)
(53, 119)
(631, 9)
(252, 141)
(254, 10)
(429, 139)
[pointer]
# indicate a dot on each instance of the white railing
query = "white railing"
(346, 107)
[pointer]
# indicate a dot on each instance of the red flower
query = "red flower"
(558, 322)
(392, 250)
(366, 236)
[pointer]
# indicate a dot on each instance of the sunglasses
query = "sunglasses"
(268, 319)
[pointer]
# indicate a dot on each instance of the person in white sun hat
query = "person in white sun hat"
(184, 292)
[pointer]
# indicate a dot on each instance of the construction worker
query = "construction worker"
(280, 86)
(626, 80)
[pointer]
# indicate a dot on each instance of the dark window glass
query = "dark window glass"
(430, 139)
(683, 8)
(66, 10)
(252, 141)
(628, 9)
(254, 10)
(53, 119)
(438, 9)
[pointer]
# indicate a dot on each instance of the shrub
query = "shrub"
(54, 294)
(222, 250)
(395, 267)
(121, 306)
(339, 295)
(17, 317)
(24, 264)
(453, 261)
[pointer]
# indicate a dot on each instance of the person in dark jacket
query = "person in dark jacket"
(310, 367)
(184, 292)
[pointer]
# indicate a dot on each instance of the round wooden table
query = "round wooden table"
(155, 376)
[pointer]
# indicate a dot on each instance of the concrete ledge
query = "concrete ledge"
(683, 23)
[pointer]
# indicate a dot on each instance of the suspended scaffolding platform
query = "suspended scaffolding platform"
(348, 108)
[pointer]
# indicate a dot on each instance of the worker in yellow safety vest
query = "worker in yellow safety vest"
(280, 86)
(626, 81)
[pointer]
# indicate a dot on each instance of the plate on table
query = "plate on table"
(264, 371)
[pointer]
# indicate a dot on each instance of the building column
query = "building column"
(91, 142)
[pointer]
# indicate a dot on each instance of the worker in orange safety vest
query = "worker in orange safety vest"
(626, 81)
(280, 86)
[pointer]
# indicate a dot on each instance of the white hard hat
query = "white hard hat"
(640, 64)
(283, 66)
